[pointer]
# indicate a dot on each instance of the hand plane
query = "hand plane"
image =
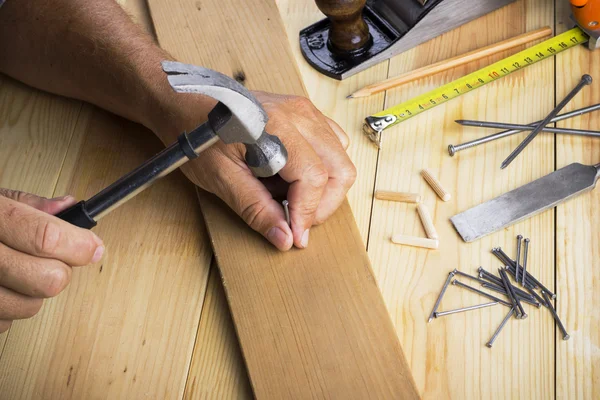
(586, 13)
(361, 33)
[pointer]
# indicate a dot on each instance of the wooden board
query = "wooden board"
(311, 323)
(577, 234)
(210, 370)
(125, 327)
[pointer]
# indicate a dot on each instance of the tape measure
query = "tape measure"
(376, 123)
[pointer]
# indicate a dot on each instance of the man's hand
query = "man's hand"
(92, 51)
(37, 252)
(316, 178)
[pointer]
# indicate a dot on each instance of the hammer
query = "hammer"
(237, 118)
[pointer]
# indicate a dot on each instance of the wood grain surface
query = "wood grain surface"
(411, 278)
(577, 234)
(80, 344)
(125, 327)
(311, 323)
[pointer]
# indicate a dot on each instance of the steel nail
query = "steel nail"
(489, 277)
(525, 253)
(453, 149)
(504, 321)
(484, 294)
(442, 313)
(535, 295)
(509, 292)
(439, 299)
(511, 264)
(474, 278)
(518, 259)
(286, 210)
(501, 290)
(501, 125)
(558, 321)
(585, 80)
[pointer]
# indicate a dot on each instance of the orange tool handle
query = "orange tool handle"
(587, 13)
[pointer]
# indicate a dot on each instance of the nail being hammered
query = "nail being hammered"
(286, 210)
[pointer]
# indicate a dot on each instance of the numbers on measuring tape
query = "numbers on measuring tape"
(485, 75)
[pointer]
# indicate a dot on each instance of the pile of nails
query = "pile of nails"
(502, 284)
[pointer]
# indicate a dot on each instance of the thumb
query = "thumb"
(251, 200)
(50, 206)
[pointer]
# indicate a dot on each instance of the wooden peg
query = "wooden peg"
(397, 196)
(415, 241)
(436, 185)
(349, 31)
(427, 221)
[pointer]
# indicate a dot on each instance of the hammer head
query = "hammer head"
(238, 118)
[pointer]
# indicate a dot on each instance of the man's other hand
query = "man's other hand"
(314, 181)
(37, 251)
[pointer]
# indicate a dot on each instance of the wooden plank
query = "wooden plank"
(448, 356)
(286, 307)
(328, 95)
(126, 326)
(217, 370)
(577, 234)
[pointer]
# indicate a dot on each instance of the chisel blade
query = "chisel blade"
(526, 201)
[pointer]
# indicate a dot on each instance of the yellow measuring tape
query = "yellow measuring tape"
(376, 123)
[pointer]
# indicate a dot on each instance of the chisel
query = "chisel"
(526, 201)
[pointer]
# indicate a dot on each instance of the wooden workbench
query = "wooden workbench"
(151, 320)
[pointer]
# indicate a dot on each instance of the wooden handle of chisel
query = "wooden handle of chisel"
(398, 196)
(436, 185)
(415, 241)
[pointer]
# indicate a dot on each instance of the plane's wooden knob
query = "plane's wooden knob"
(349, 31)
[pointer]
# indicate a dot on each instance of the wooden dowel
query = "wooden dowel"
(452, 62)
(398, 196)
(427, 221)
(415, 241)
(436, 185)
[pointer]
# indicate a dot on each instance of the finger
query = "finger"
(5, 325)
(250, 199)
(50, 206)
(339, 133)
(341, 171)
(32, 276)
(36, 233)
(308, 177)
(14, 305)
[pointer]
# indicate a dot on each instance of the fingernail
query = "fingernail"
(304, 240)
(98, 254)
(278, 237)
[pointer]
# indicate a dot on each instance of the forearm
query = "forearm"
(92, 51)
